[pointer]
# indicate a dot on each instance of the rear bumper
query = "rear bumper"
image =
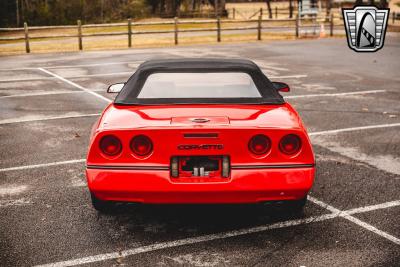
(243, 186)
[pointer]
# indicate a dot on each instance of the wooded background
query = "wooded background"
(63, 12)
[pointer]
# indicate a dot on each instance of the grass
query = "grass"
(65, 44)
(140, 41)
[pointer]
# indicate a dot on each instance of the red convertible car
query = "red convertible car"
(199, 131)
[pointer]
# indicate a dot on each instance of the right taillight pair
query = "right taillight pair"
(140, 145)
(260, 144)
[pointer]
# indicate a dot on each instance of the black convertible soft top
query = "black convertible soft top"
(129, 93)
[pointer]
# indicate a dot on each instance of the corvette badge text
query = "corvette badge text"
(365, 27)
(199, 147)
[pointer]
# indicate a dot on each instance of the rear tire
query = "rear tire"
(297, 205)
(102, 205)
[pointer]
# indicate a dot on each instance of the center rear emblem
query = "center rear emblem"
(199, 120)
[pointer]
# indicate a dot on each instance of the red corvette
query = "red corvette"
(199, 131)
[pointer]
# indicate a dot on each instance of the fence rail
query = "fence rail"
(259, 24)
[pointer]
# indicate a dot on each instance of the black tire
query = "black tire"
(297, 205)
(101, 205)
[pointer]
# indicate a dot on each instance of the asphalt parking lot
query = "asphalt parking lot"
(350, 103)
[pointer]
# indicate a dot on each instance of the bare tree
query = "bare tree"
(383, 4)
(269, 8)
(328, 7)
(359, 2)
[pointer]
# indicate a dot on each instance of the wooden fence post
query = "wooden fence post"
(80, 34)
(129, 32)
(331, 24)
(27, 48)
(176, 30)
(261, 12)
(218, 29)
(234, 13)
(259, 28)
(297, 25)
(290, 9)
(276, 12)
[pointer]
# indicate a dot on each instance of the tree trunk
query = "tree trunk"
(269, 8)
(358, 2)
(383, 4)
(329, 7)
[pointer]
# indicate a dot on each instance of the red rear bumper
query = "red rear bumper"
(243, 186)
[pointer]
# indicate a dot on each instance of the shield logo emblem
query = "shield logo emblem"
(365, 27)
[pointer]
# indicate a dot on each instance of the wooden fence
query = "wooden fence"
(294, 25)
(257, 19)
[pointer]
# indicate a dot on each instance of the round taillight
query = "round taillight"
(290, 144)
(141, 145)
(259, 144)
(110, 145)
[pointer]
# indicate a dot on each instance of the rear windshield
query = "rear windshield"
(199, 85)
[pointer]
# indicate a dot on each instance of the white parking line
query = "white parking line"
(14, 202)
(187, 241)
(138, 62)
(355, 129)
(347, 216)
(205, 238)
(123, 73)
(10, 121)
(28, 79)
(42, 165)
(127, 73)
(374, 207)
(47, 93)
(76, 66)
(76, 85)
(336, 94)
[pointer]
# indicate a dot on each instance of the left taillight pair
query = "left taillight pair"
(140, 145)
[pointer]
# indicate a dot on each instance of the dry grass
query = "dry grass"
(70, 44)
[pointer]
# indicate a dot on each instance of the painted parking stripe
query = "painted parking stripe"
(205, 238)
(336, 94)
(127, 73)
(123, 73)
(42, 165)
(310, 134)
(355, 129)
(76, 85)
(47, 93)
(76, 66)
(187, 241)
(374, 207)
(347, 216)
(27, 79)
(11, 121)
